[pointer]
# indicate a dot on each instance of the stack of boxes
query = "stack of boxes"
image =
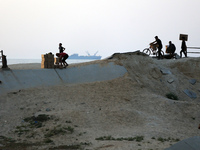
(47, 61)
(56, 61)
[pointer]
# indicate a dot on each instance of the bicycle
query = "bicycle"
(152, 50)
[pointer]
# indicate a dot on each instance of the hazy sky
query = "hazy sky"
(29, 28)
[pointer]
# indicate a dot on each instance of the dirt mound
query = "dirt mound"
(131, 112)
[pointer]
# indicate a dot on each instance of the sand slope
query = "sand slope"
(131, 106)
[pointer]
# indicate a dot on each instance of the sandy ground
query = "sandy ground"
(134, 107)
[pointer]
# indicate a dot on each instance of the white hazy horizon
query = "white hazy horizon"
(29, 28)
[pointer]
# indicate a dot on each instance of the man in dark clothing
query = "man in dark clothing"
(61, 49)
(158, 42)
(183, 48)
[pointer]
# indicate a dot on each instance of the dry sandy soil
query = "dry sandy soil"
(128, 113)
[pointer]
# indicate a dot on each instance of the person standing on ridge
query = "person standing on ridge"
(158, 42)
(183, 48)
(61, 49)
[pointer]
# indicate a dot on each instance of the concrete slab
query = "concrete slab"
(13, 80)
(192, 81)
(91, 73)
(170, 80)
(165, 71)
(192, 143)
(190, 93)
(20, 79)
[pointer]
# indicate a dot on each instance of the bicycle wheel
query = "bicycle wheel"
(162, 54)
(147, 51)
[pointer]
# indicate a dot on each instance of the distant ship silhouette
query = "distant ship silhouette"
(76, 56)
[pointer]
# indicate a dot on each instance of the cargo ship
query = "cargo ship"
(76, 56)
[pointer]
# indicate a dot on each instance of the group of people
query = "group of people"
(170, 49)
(62, 56)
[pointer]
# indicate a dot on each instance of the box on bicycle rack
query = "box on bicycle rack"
(153, 46)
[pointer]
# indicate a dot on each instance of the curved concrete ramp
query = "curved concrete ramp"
(12, 80)
(192, 143)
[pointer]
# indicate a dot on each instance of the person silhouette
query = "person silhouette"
(183, 48)
(62, 59)
(61, 49)
(171, 49)
(158, 42)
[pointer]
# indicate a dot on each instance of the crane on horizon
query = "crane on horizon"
(95, 53)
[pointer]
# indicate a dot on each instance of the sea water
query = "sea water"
(69, 61)
(25, 61)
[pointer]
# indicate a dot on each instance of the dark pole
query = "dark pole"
(1, 56)
(4, 61)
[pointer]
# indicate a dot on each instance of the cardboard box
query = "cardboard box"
(51, 56)
(44, 56)
(56, 61)
(44, 60)
(47, 61)
(51, 66)
(44, 65)
(50, 61)
(183, 35)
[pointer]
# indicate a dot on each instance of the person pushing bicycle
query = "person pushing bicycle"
(158, 44)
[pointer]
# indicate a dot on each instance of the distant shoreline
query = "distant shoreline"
(26, 61)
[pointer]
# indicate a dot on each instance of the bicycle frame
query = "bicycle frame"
(153, 48)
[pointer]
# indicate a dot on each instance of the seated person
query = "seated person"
(62, 58)
(171, 49)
